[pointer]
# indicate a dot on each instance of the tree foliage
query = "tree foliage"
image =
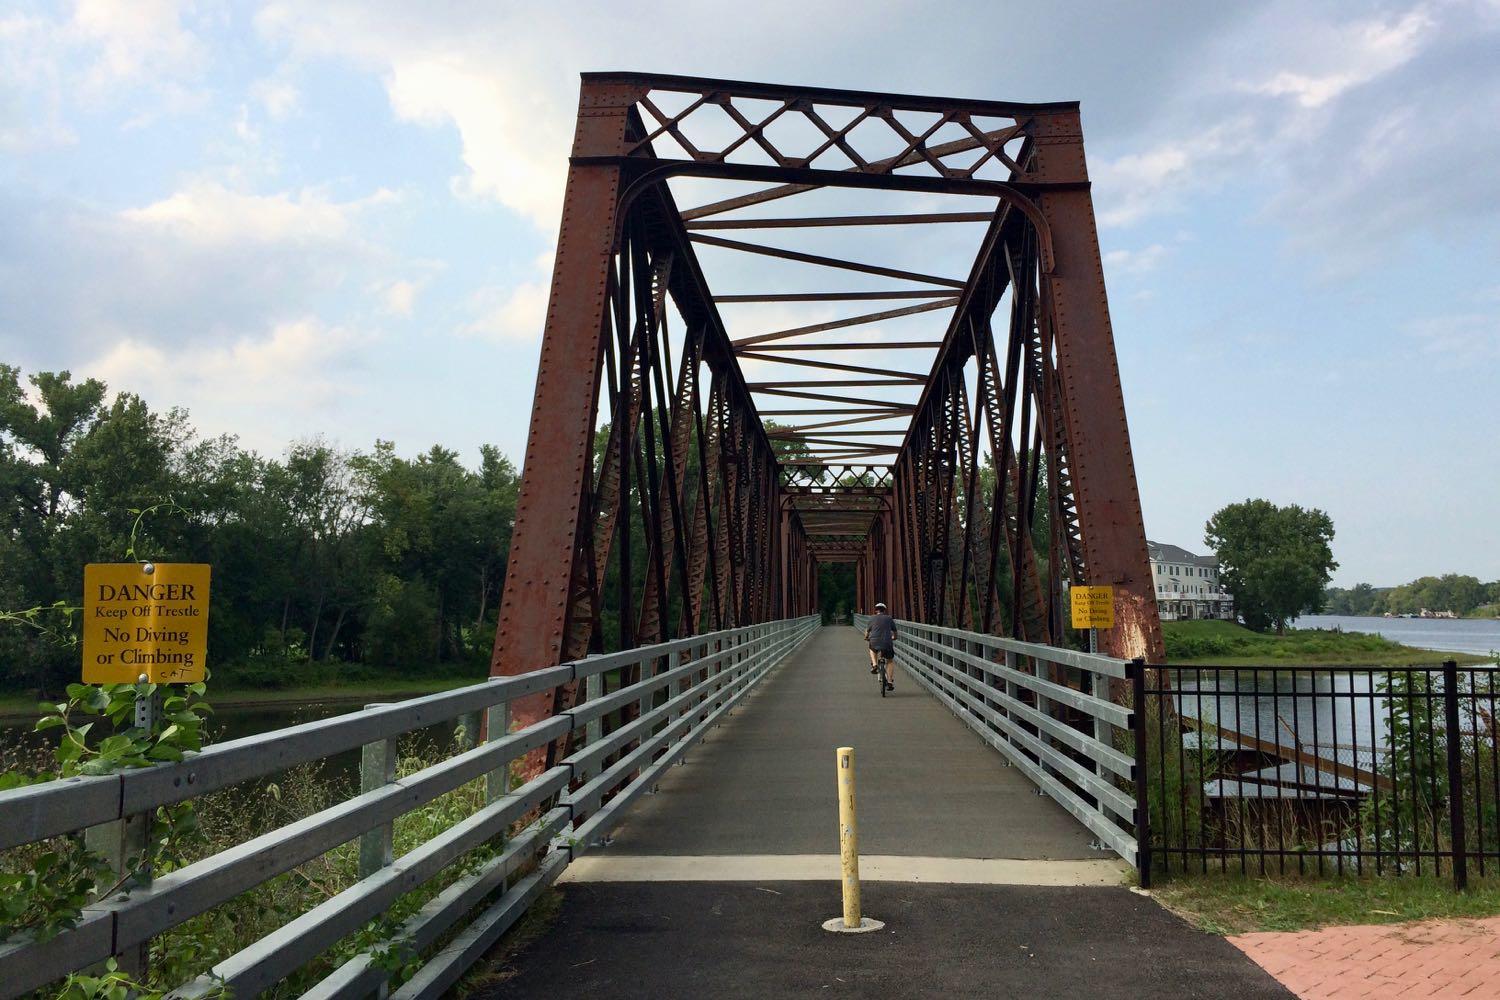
(1276, 561)
(1461, 594)
(323, 558)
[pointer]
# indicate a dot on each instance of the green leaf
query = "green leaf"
(164, 751)
(49, 722)
(116, 746)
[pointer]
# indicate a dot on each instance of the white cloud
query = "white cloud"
(400, 297)
(278, 97)
(1463, 338)
(135, 38)
(1348, 55)
(513, 151)
(1332, 122)
(206, 212)
(505, 77)
(1135, 261)
(205, 263)
(516, 314)
(106, 53)
(1159, 178)
(265, 388)
(508, 97)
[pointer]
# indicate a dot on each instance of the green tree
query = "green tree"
(1361, 599)
(323, 555)
(1276, 561)
(74, 471)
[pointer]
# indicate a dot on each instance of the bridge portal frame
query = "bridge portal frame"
(725, 550)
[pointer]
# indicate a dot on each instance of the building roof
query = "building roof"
(1162, 552)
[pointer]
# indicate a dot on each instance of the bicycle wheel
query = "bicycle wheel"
(881, 674)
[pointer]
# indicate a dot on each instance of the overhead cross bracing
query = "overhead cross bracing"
(791, 326)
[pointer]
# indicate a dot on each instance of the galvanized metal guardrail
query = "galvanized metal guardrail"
(1048, 711)
(687, 686)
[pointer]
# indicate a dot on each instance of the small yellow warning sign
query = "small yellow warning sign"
(1093, 607)
(145, 618)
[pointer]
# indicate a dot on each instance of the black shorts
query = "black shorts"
(888, 651)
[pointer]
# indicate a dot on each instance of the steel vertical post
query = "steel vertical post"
(552, 511)
(1109, 506)
(1453, 742)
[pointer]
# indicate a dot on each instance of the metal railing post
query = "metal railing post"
(1453, 738)
(468, 730)
(593, 690)
(377, 767)
(497, 727)
(123, 845)
(1139, 771)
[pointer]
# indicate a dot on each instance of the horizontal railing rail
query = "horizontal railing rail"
(1325, 770)
(685, 688)
(1049, 713)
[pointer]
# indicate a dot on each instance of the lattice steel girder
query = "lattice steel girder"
(689, 471)
(618, 259)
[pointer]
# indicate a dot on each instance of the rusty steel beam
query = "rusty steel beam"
(1092, 401)
(1009, 479)
(834, 296)
(817, 221)
(825, 261)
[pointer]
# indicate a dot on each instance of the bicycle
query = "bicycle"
(880, 668)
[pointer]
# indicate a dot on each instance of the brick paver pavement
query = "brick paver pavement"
(1434, 958)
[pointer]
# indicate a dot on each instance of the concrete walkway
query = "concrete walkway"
(717, 885)
(764, 782)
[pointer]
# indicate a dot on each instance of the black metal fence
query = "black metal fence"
(1321, 770)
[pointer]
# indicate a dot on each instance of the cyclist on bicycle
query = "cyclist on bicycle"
(880, 633)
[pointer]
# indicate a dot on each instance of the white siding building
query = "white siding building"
(1187, 585)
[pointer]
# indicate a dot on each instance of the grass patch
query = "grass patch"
(1230, 904)
(1231, 644)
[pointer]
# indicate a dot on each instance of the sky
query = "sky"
(337, 219)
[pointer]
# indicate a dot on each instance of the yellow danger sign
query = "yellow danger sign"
(145, 618)
(1093, 607)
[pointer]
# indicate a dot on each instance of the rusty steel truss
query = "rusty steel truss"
(685, 472)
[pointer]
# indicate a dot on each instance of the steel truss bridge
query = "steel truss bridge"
(879, 335)
(735, 393)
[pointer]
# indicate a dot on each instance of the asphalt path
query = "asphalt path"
(723, 939)
(764, 783)
(707, 909)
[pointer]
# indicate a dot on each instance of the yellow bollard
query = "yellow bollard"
(853, 921)
(848, 836)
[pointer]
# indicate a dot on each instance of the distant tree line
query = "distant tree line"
(1463, 595)
(321, 556)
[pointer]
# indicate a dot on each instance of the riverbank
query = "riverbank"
(1193, 643)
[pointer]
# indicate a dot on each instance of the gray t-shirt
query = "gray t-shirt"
(882, 632)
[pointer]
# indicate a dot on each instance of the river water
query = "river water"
(1480, 636)
(1340, 712)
